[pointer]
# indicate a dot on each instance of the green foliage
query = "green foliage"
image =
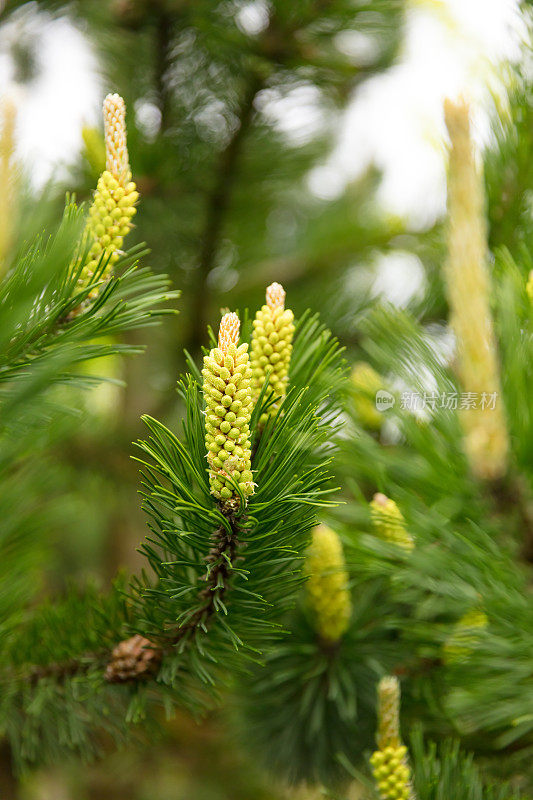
(310, 708)
(52, 678)
(508, 170)
(443, 772)
(48, 335)
(513, 318)
(466, 534)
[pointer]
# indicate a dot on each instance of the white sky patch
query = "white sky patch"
(399, 277)
(451, 48)
(359, 47)
(253, 17)
(299, 113)
(148, 119)
(326, 182)
(65, 95)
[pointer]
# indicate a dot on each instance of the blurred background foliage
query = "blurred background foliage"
(225, 205)
(226, 208)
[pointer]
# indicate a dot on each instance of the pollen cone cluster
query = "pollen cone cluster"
(110, 216)
(468, 286)
(389, 763)
(365, 383)
(388, 522)
(228, 400)
(327, 587)
(529, 286)
(272, 346)
(464, 636)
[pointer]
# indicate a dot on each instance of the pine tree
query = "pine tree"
(307, 551)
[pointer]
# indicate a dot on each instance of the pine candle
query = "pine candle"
(468, 287)
(228, 400)
(110, 215)
(327, 586)
(388, 522)
(272, 347)
(389, 763)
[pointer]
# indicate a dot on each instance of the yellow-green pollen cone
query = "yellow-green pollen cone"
(529, 286)
(469, 293)
(392, 773)
(464, 636)
(388, 522)
(327, 587)
(365, 383)
(228, 401)
(113, 207)
(272, 346)
(389, 763)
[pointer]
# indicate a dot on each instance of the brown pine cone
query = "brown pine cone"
(132, 660)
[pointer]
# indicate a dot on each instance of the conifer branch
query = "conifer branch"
(61, 670)
(137, 658)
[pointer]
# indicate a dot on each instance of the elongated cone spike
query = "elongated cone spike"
(469, 293)
(366, 382)
(328, 594)
(272, 347)
(388, 712)
(465, 636)
(228, 408)
(117, 161)
(388, 522)
(228, 332)
(113, 207)
(8, 179)
(389, 764)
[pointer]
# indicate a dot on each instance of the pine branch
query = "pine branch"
(136, 658)
(147, 655)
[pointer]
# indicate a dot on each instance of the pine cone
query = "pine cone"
(132, 660)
